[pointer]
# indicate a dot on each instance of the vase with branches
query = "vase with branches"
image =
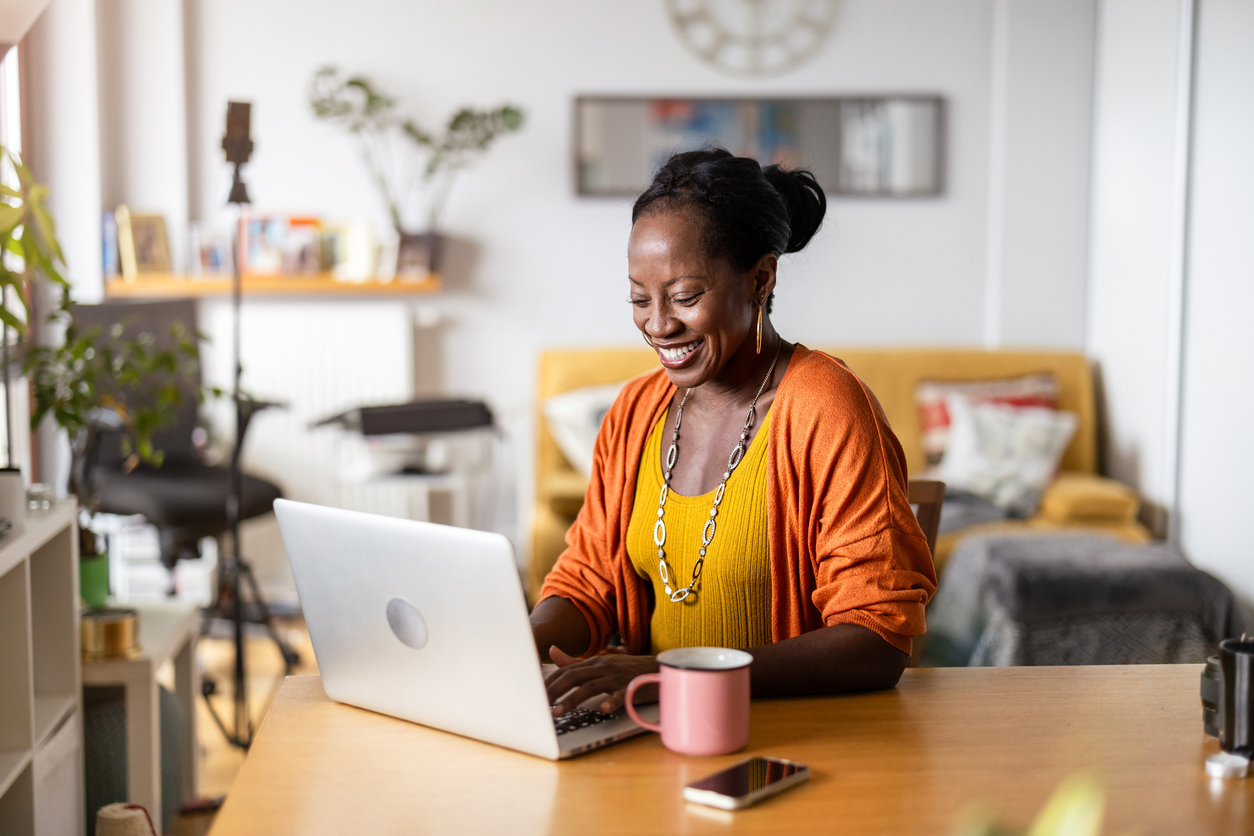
(404, 160)
(90, 382)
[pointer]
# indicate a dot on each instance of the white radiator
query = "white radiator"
(318, 358)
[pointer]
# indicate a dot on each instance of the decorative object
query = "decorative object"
(142, 244)
(26, 230)
(753, 38)
(886, 146)
(93, 580)
(574, 419)
(12, 496)
(1040, 389)
(711, 524)
(403, 159)
(1005, 454)
(123, 820)
(279, 245)
(111, 633)
(1076, 808)
(211, 250)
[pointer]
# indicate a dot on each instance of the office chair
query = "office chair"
(185, 499)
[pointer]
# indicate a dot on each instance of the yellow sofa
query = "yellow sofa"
(1079, 498)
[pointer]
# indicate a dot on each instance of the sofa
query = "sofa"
(1078, 499)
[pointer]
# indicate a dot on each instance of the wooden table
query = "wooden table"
(907, 761)
(167, 632)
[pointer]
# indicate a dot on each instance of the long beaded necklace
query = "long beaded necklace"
(707, 532)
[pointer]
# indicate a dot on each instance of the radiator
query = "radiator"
(318, 358)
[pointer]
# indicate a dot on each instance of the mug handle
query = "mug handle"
(643, 679)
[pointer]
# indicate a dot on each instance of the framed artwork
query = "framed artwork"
(142, 244)
(864, 146)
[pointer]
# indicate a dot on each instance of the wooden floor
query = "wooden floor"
(219, 761)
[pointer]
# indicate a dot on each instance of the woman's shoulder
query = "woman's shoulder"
(816, 383)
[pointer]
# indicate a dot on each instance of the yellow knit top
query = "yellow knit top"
(732, 603)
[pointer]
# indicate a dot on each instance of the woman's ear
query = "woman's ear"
(764, 277)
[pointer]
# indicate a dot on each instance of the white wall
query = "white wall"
(1136, 264)
(547, 268)
(1038, 207)
(63, 118)
(1217, 447)
(534, 265)
(143, 136)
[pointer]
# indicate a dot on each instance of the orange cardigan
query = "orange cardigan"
(845, 545)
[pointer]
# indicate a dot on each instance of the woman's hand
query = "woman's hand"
(609, 673)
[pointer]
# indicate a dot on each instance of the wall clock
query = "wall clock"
(753, 37)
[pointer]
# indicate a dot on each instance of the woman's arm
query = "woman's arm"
(557, 622)
(830, 660)
(843, 657)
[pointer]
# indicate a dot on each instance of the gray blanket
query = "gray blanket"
(1088, 592)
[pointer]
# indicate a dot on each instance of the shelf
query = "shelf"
(39, 527)
(12, 762)
(149, 285)
(50, 709)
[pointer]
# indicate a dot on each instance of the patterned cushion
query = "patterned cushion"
(1007, 455)
(1040, 389)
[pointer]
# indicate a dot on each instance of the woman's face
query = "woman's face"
(697, 311)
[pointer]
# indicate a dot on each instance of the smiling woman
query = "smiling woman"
(750, 493)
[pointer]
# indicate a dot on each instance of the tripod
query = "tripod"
(235, 572)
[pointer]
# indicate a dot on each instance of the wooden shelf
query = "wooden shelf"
(322, 284)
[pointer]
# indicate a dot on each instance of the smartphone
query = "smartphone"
(746, 783)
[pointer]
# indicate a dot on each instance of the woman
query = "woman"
(749, 493)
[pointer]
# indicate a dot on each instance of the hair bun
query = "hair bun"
(806, 203)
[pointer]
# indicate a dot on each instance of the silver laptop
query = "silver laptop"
(429, 623)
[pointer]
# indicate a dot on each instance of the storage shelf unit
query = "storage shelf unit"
(41, 730)
(323, 284)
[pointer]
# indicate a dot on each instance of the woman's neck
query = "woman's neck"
(739, 380)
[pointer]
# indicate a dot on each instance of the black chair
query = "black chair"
(186, 498)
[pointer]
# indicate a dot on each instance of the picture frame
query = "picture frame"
(143, 246)
(882, 146)
(212, 251)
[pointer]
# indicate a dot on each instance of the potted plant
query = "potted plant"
(406, 162)
(89, 382)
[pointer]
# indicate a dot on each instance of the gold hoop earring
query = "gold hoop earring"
(759, 351)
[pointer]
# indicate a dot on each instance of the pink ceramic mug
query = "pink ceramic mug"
(704, 698)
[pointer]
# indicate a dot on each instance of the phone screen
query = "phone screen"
(748, 777)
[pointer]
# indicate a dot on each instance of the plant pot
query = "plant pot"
(93, 580)
(418, 255)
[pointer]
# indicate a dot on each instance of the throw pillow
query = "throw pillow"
(1005, 454)
(574, 419)
(1040, 389)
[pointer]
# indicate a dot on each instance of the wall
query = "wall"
(143, 136)
(539, 267)
(1216, 446)
(999, 259)
(1039, 184)
(1140, 154)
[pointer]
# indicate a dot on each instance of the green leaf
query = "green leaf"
(10, 217)
(1075, 809)
(12, 321)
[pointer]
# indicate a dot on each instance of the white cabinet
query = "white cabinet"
(41, 730)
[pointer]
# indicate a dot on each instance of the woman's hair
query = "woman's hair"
(749, 210)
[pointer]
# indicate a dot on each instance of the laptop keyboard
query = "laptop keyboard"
(578, 719)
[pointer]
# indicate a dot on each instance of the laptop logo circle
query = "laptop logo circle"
(407, 623)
